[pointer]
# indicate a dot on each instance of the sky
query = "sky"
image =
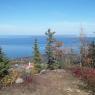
(34, 17)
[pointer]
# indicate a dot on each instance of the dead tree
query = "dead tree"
(83, 47)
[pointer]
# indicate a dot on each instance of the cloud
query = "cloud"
(63, 27)
(74, 27)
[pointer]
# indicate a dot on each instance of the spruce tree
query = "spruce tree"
(37, 55)
(49, 48)
(4, 64)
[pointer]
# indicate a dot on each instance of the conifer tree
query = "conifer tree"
(37, 55)
(4, 64)
(49, 48)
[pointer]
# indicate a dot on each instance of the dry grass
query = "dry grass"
(58, 82)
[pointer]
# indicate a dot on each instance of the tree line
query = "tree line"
(54, 54)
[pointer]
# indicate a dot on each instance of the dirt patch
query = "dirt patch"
(57, 82)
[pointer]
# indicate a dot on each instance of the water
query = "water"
(22, 46)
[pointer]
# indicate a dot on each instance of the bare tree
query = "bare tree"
(83, 47)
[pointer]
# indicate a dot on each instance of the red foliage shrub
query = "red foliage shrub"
(28, 79)
(87, 75)
(76, 72)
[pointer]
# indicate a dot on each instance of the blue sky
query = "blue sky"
(34, 17)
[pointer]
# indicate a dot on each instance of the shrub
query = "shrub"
(9, 79)
(34, 71)
(4, 64)
(87, 75)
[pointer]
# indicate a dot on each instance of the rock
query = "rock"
(43, 72)
(69, 90)
(19, 80)
(59, 70)
(77, 90)
(16, 65)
